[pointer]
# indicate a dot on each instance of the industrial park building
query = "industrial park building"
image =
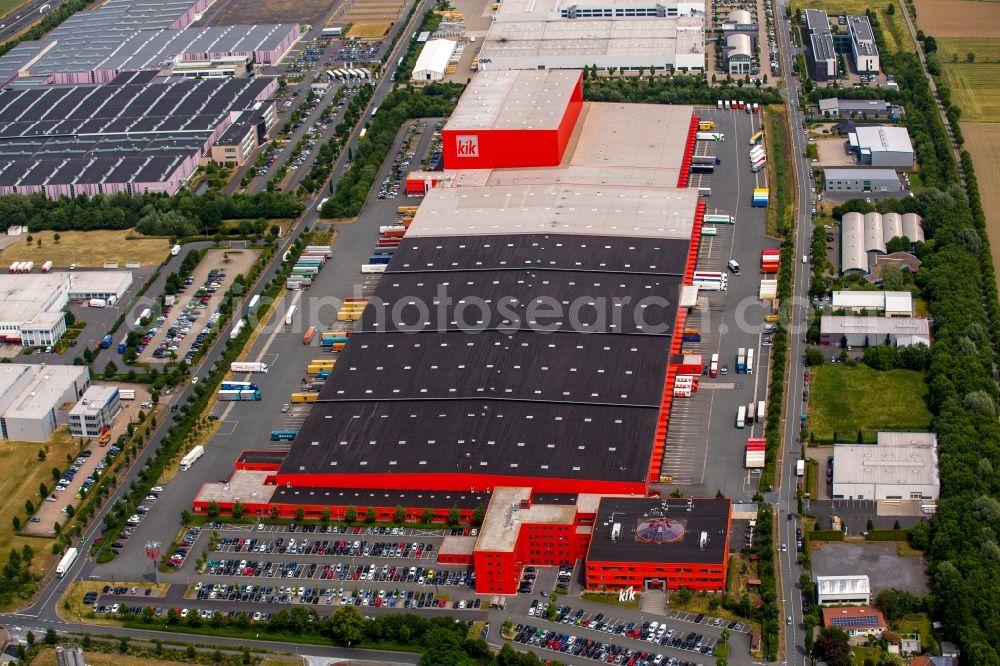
(528, 426)
(432, 63)
(901, 466)
(863, 237)
(881, 146)
(139, 133)
(833, 107)
(31, 304)
(886, 303)
(864, 331)
(96, 410)
(840, 590)
(861, 180)
(739, 51)
(95, 46)
(620, 34)
(35, 399)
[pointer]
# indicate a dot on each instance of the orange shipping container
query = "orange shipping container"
(308, 337)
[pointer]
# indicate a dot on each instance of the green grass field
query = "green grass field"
(976, 89)
(845, 399)
(8, 6)
(893, 27)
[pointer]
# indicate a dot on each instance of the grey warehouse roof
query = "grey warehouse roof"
(822, 46)
(130, 130)
(861, 33)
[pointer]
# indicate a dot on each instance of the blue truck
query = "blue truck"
(106, 342)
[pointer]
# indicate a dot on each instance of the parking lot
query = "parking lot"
(171, 332)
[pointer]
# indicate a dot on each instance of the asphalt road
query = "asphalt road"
(785, 498)
(24, 17)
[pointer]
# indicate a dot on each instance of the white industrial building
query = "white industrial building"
(863, 46)
(881, 146)
(96, 409)
(35, 399)
(901, 466)
(567, 34)
(862, 331)
(843, 590)
(551, 10)
(432, 63)
(31, 304)
(861, 234)
(886, 303)
(739, 51)
(623, 44)
(861, 180)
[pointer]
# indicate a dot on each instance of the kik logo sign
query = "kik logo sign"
(467, 145)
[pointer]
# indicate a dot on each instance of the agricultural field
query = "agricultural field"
(372, 19)
(893, 27)
(982, 140)
(87, 249)
(369, 30)
(958, 18)
(976, 89)
(844, 399)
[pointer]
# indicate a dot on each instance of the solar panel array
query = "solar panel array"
(856, 621)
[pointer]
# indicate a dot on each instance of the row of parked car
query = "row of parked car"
(340, 571)
(333, 547)
(607, 653)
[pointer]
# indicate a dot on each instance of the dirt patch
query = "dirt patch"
(885, 568)
(374, 11)
(86, 249)
(982, 140)
(959, 18)
(832, 153)
(248, 12)
(369, 30)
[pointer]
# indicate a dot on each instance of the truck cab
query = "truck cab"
(734, 266)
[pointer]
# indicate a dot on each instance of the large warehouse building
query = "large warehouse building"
(121, 36)
(881, 146)
(547, 427)
(139, 133)
(31, 304)
(623, 34)
(901, 466)
(35, 399)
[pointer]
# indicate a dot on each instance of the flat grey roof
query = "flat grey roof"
(45, 391)
(836, 104)
(876, 326)
(861, 34)
(655, 135)
(514, 100)
(817, 20)
(899, 458)
(656, 37)
(822, 47)
(883, 138)
(846, 173)
(559, 209)
(503, 520)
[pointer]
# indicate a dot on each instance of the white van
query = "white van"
(734, 266)
(805, 259)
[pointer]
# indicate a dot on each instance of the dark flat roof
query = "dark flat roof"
(362, 498)
(705, 515)
(603, 254)
(269, 457)
(534, 299)
(475, 437)
(574, 368)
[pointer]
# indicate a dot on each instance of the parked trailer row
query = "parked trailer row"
(24, 266)
(239, 395)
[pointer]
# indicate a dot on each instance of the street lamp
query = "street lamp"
(153, 553)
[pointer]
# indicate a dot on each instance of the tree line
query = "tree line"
(671, 90)
(432, 101)
(442, 641)
(183, 214)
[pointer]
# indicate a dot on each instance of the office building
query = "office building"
(863, 46)
(739, 52)
(95, 411)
